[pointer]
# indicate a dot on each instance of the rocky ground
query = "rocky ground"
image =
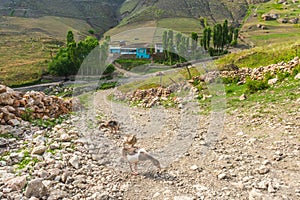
(247, 152)
(255, 156)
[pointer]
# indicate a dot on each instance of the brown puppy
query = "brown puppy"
(112, 125)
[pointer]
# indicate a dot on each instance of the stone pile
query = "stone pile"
(255, 74)
(259, 73)
(34, 105)
(150, 97)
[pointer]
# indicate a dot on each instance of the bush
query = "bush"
(129, 64)
(91, 31)
(269, 76)
(105, 86)
(110, 69)
(229, 80)
(256, 85)
(282, 75)
(296, 70)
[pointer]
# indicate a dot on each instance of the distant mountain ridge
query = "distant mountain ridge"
(105, 14)
(213, 10)
(100, 14)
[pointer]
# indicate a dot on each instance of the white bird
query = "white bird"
(134, 155)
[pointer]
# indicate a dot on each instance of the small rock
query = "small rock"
(57, 194)
(65, 176)
(183, 198)
(194, 167)
(74, 161)
(272, 81)
(103, 196)
(263, 185)
(263, 170)
(39, 140)
(14, 122)
(156, 195)
(54, 145)
(266, 162)
(297, 77)
(241, 133)
(222, 176)
(254, 194)
(36, 188)
(65, 138)
(243, 97)
(3, 89)
(180, 106)
(39, 150)
(271, 188)
(33, 198)
(17, 183)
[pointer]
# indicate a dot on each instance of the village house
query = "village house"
(138, 50)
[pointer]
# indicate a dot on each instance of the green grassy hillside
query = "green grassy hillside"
(26, 43)
(275, 43)
(99, 14)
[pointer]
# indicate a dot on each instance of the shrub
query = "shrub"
(282, 75)
(269, 76)
(296, 70)
(110, 69)
(105, 86)
(91, 31)
(256, 85)
(229, 80)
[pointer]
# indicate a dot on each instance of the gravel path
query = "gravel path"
(253, 154)
(252, 158)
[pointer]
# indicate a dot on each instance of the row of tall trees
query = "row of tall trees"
(222, 36)
(175, 47)
(68, 59)
(216, 40)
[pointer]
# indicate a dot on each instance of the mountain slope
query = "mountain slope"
(214, 10)
(99, 14)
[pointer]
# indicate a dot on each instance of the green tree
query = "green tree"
(203, 22)
(208, 37)
(204, 39)
(170, 50)
(165, 42)
(178, 37)
(70, 37)
(61, 64)
(194, 41)
(69, 59)
(170, 36)
(235, 36)
(225, 34)
(187, 42)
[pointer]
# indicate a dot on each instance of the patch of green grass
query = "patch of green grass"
(7, 135)
(148, 86)
(269, 36)
(27, 160)
(26, 45)
(50, 123)
(105, 86)
(256, 85)
(85, 99)
(183, 25)
(259, 56)
(129, 64)
(282, 92)
(128, 6)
